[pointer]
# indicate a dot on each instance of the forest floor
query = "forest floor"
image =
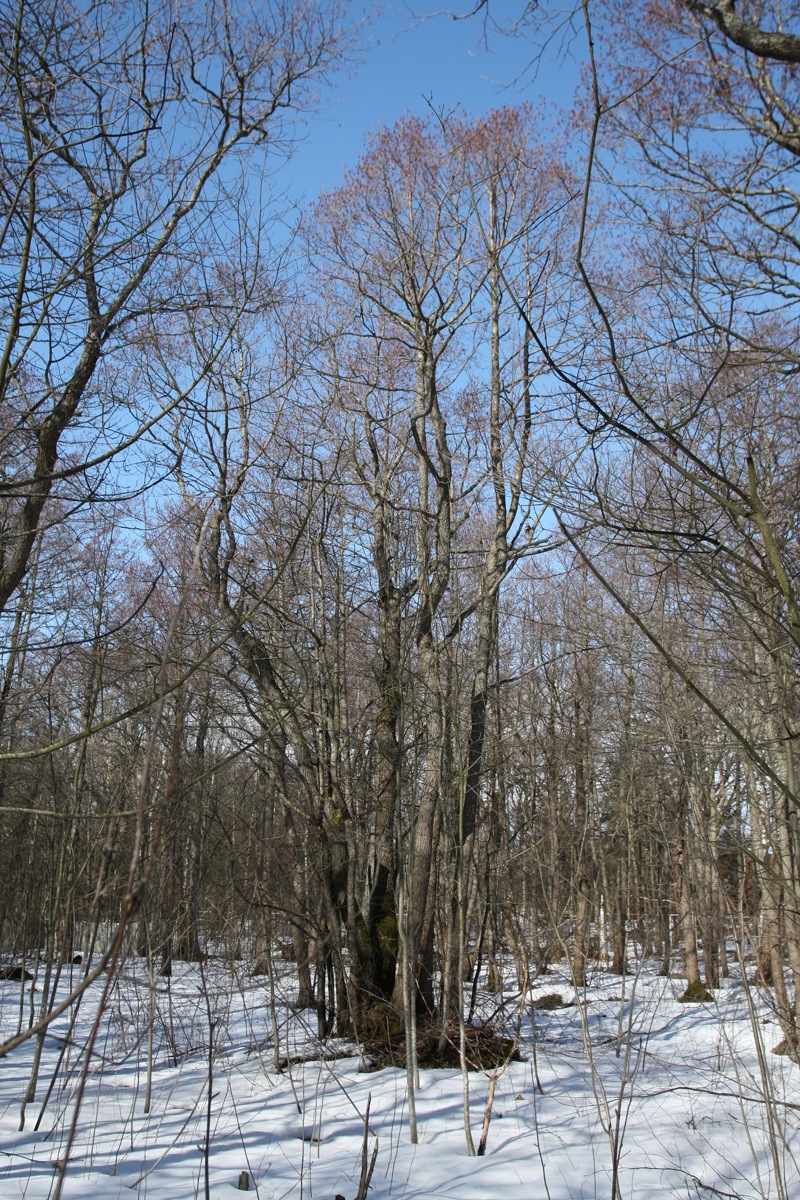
(687, 1099)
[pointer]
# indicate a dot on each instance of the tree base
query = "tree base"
(696, 993)
(786, 1047)
(384, 1045)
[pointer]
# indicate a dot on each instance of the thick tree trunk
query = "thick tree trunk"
(374, 933)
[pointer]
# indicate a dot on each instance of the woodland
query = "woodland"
(398, 597)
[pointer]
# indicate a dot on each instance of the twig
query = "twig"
(366, 1171)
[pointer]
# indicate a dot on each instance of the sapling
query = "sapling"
(499, 1071)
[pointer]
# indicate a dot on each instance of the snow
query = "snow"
(687, 1098)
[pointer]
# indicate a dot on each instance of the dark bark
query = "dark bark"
(765, 43)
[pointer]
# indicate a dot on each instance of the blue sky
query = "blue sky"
(408, 61)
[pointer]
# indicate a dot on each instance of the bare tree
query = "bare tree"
(117, 121)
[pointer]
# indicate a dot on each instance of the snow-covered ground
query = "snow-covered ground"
(681, 1096)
